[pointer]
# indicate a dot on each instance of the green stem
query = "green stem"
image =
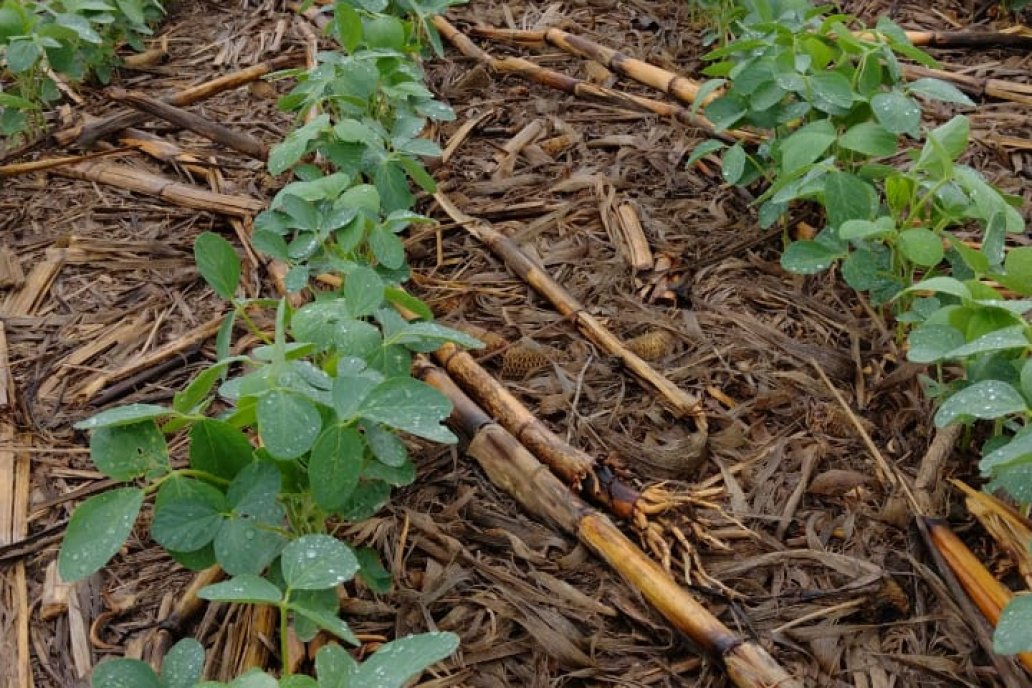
(187, 473)
(255, 330)
(284, 638)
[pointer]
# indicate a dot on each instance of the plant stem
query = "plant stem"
(284, 638)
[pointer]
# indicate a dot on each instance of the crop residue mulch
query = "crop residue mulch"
(788, 532)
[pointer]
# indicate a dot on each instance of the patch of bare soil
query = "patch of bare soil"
(789, 532)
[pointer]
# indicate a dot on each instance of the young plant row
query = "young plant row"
(905, 220)
(301, 435)
(75, 39)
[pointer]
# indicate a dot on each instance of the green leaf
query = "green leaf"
(869, 138)
(324, 600)
(243, 588)
(347, 26)
(124, 673)
(1014, 629)
(335, 667)
(225, 336)
(218, 263)
(327, 622)
(300, 680)
(22, 55)
(1026, 380)
(410, 405)
(122, 415)
(316, 562)
(385, 31)
(363, 290)
(806, 145)
(921, 246)
(1017, 267)
(430, 336)
(733, 164)
(97, 530)
(199, 388)
(126, 452)
(329, 325)
(868, 269)
(952, 136)
(255, 678)
(932, 343)
(371, 571)
(218, 448)
(198, 560)
(942, 285)
(986, 400)
(187, 514)
(288, 423)
(385, 445)
(246, 546)
(994, 240)
(808, 257)
(897, 113)
(1013, 337)
(400, 660)
(284, 155)
(335, 465)
(857, 230)
(1015, 451)
(832, 92)
(391, 182)
(848, 197)
(387, 247)
(972, 258)
(937, 89)
(183, 665)
(250, 538)
(703, 149)
(417, 172)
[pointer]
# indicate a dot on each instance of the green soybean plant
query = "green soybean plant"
(892, 225)
(74, 38)
(827, 98)
(302, 436)
(391, 666)
(843, 132)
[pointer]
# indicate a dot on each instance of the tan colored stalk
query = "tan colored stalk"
(509, 465)
(682, 403)
(988, 594)
(87, 133)
(576, 468)
(579, 87)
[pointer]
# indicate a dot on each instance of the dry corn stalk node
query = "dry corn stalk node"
(509, 465)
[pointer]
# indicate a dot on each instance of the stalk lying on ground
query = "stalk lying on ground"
(512, 467)
(684, 405)
(579, 87)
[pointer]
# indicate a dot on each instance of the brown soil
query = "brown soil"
(794, 537)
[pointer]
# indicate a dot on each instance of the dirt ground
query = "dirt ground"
(793, 536)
